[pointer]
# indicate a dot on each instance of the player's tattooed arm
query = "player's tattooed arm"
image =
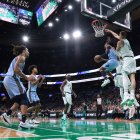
(62, 87)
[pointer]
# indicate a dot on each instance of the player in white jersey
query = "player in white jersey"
(15, 87)
(118, 81)
(36, 81)
(129, 65)
(67, 92)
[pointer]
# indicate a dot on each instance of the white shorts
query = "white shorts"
(67, 99)
(129, 65)
(32, 97)
(118, 81)
(13, 86)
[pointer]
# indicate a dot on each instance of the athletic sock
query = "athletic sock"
(23, 118)
(121, 93)
(9, 112)
(132, 93)
(64, 116)
(125, 84)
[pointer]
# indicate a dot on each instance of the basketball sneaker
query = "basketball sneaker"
(125, 100)
(64, 117)
(131, 102)
(105, 82)
(34, 121)
(6, 119)
(25, 125)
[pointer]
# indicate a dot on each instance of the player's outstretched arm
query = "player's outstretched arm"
(113, 33)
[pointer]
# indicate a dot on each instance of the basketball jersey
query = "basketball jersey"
(12, 66)
(112, 54)
(32, 87)
(126, 49)
(68, 87)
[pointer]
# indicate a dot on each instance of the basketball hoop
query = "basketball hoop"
(98, 27)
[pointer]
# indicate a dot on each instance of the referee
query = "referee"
(99, 107)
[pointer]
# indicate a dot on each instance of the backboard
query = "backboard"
(97, 9)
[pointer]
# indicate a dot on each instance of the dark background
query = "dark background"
(54, 55)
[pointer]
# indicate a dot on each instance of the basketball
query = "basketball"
(98, 58)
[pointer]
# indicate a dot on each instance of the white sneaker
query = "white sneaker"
(35, 121)
(30, 121)
(25, 125)
(82, 119)
(105, 82)
(19, 115)
(64, 117)
(125, 100)
(6, 118)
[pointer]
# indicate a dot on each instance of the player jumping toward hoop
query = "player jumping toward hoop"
(118, 81)
(67, 92)
(110, 65)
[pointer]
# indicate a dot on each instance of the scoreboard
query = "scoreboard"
(14, 14)
(21, 3)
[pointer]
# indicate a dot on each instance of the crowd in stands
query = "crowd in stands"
(54, 104)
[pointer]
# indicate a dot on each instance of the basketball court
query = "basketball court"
(74, 130)
(105, 14)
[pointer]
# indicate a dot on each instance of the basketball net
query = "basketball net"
(99, 27)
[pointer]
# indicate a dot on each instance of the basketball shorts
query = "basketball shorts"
(118, 81)
(32, 97)
(129, 65)
(110, 65)
(68, 98)
(13, 86)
